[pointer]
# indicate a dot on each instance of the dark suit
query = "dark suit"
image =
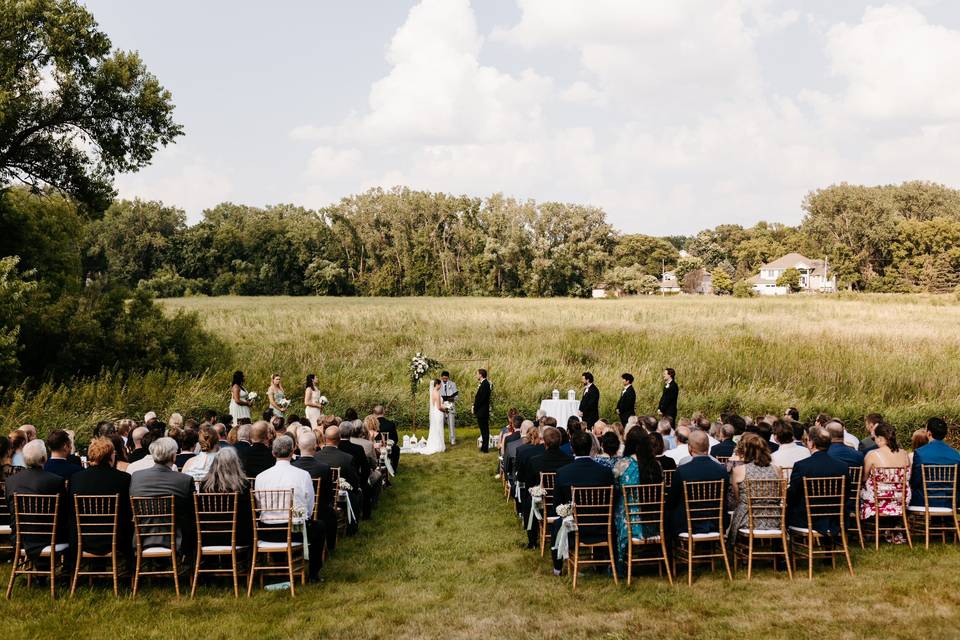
(256, 459)
(582, 472)
(136, 455)
(389, 427)
(99, 480)
(546, 461)
(336, 458)
(699, 469)
(867, 445)
(481, 410)
(934, 452)
(847, 455)
(62, 467)
(627, 404)
(723, 449)
(326, 516)
(668, 400)
(164, 481)
(38, 481)
(819, 465)
(525, 453)
(590, 404)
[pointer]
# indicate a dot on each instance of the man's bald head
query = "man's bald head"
(835, 429)
(258, 431)
(683, 434)
(699, 442)
(331, 435)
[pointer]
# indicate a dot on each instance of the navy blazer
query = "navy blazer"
(724, 449)
(582, 472)
(934, 452)
(699, 469)
(549, 461)
(819, 465)
(62, 467)
(38, 481)
(847, 455)
(526, 453)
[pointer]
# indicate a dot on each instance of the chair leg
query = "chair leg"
(690, 562)
(234, 571)
(76, 572)
(666, 560)
(726, 562)
(810, 557)
(576, 564)
(176, 574)
(629, 562)
(253, 571)
(749, 556)
(876, 530)
(293, 582)
(136, 574)
(13, 569)
(613, 561)
(116, 572)
(846, 551)
(906, 527)
(786, 557)
(196, 573)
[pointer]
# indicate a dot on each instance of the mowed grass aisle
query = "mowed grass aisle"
(444, 558)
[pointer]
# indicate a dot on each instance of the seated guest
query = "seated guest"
(764, 429)
(361, 439)
(362, 465)
(512, 443)
(308, 461)
(787, 456)
(146, 462)
(656, 442)
(188, 444)
(389, 427)
(198, 465)
(283, 475)
(726, 446)
(58, 441)
(637, 466)
(139, 451)
(17, 440)
(34, 480)
(755, 455)
(682, 451)
(241, 435)
(919, 438)
(582, 472)
(225, 475)
(870, 423)
(609, 449)
(102, 478)
(530, 449)
(257, 458)
(573, 426)
(850, 456)
(666, 431)
(221, 430)
(889, 465)
(6, 466)
(935, 452)
(162, 480)
(332, 455)
(119, 452)
(820, 464)
(701, 467)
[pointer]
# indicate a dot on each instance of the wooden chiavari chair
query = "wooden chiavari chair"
(6, 524)
(766, 501)
(155, 532)
(704, 503)
(889, 484)
(643, 507)
(216, 515)
(273, 518)
(593, 515)
(36, 517)
(339, 502)
(317, 488)
(251, 482)
(96, 518)
(667, 479)
(824, 499)
(548, 482)
(854, 481)
(786, 472)
(723, 459)
(940, 503)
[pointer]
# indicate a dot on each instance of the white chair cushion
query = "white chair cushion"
(61, 546)
(650, 540)
(5, 529)
(156, 552)
(761, 532)
(803, 530)
(701, 536)
(940, 511)
(219, 548)
(271, 546)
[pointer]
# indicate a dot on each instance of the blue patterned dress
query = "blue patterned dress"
(625, 472)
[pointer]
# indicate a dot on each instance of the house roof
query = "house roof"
(794, 260)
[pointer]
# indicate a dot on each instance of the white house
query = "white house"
(814, 275)
(605, 291)
(668, 283)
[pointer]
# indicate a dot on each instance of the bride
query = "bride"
(435, 439)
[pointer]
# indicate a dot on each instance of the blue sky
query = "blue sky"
(671, 115)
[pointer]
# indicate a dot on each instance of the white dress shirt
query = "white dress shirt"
(851, 440)
(146, 462)
(678, 453)
(285, 476)
(448, 388)
(789, 454)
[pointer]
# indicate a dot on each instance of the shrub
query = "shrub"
(743, 289)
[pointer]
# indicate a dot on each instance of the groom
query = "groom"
(481, 409)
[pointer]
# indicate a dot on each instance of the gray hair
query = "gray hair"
(163, 450)
(308, 442)
(226, 474)
(34, 453)
(138, 434)
(525, 426)
(243, 432)
(359, 431)
(283, 447)
(346, 429)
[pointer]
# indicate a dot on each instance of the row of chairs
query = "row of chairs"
(833, 499)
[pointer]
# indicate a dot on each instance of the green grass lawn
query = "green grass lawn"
(444, 558)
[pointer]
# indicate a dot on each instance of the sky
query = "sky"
(671, 115)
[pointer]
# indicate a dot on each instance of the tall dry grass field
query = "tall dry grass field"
(845, 356)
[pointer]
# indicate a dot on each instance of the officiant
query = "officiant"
(448, 393)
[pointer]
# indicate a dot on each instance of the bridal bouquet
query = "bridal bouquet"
(419, 366)
(447, 405)
(252, 396)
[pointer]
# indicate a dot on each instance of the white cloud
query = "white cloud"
(329, 162)
(581, 92)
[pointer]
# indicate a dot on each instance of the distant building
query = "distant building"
(668, 283)
(605, 291)
(814, 276)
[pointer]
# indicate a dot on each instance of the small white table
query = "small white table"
(560, 409)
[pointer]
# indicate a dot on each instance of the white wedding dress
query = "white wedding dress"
(435, 442)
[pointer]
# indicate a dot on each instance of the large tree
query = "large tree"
(73, 111)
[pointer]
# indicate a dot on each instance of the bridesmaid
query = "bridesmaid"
(276, 396)
(311, 400)
(239, 399)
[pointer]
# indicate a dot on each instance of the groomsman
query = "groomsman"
(668, 399)
(448, 393)
(627, 404)
(590, 401)
(481, 409)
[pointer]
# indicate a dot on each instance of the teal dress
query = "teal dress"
(278, 397)
(626, 472)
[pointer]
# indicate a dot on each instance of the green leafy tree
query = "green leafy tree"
(743, 289)
(325, 278)
(652, 255)
(74, 112)
(685, 265)
(13, 298)
(632, 280)
(790, 278)
(722, 282)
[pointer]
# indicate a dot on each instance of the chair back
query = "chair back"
(668, 478)
(722, 459)
(36, 518)
(4, 509)
(592, 510)
(824, 499)
(786, 472)
(273, 512)
(216, 518)
(940, 485)
(251, 481)
(335, 478)
(704, 505)
(154, 521)
(766, 501)
(96, 518)
(890, 484)
(643, 506)
(317, 488)
(548, 481)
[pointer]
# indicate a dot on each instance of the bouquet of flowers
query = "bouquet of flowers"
(564, 510)
(447, 405)
(252, 396)
(322, 401)
(419, 366)
(284, 403)
(344, 485)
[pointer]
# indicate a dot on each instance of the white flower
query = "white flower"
(537, 491)
(344, 485)
(564, 510)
